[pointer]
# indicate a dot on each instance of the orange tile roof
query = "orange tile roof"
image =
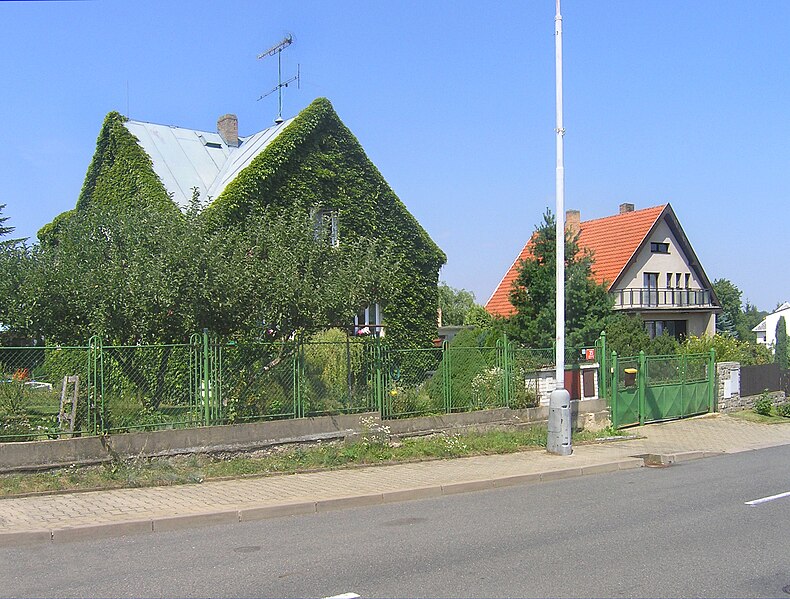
(613, 241)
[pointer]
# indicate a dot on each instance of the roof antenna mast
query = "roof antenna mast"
(278, 50)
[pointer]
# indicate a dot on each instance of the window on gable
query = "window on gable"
(659, 247)
(326, 222)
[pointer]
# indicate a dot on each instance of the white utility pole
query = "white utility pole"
(559, 438)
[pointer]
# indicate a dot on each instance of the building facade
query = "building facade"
(648, 265)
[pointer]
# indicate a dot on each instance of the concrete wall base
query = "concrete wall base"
(42, 455)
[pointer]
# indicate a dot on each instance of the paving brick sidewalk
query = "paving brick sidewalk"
(116, 512)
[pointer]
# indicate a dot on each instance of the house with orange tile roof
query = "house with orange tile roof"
(648, 265)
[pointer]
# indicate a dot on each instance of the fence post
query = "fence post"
(615, 414)
(296, 373)
(712, 388)
(684, 365)
(447, 373)
(96, 385)
(603, 371)
(503, 358)
(378, 379)
(206, 379)
(195, 376)
(642, 376)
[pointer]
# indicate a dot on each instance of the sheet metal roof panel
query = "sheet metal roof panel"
(185, 159)
(242, 156)
(180, 158)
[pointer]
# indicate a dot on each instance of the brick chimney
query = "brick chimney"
(573, 221)
(228, 129)
(626, 207)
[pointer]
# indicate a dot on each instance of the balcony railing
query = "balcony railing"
(636, 297)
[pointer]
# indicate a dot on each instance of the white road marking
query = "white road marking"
(767, 499)
(344, 596)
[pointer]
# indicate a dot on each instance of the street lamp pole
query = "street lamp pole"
(559, 437)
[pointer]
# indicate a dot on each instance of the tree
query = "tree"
(626, 334)
(14, 268)
(750, 318)
(730, 299)
(4, 230)
(136, 275)
(126, 273)
(587, 303)
(728, 349)
(781, 348)
(478, 316)
(662, 345)
(454, 304)
(275, 275)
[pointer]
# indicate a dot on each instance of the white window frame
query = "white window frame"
(327, 217)
(368, 321)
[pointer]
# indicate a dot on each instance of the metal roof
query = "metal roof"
(185, 159)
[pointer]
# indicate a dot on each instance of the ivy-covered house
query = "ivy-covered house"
(310, 163)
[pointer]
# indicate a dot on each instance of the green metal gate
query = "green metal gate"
(654, 388)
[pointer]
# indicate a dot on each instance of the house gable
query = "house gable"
(621, 249)
(678, 259)
(315, 163)
(613, 241)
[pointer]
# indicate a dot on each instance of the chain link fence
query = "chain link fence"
(44, 393)
(52, 392)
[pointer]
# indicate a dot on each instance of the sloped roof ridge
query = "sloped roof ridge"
(784, 306)
(609, 258)
(594, 220)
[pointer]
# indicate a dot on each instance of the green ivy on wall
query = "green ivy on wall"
(315, 162)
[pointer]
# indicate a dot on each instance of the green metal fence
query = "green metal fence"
(39, 389)
(50, 392)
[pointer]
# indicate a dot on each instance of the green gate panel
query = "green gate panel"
(696, 398)
(627, 407)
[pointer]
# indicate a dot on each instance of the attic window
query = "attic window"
(209, 144)
(659, 248)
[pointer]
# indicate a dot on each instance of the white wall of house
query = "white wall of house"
(770, 325)
(697, 323)
(674, 263)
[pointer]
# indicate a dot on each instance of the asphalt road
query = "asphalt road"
(681, 531)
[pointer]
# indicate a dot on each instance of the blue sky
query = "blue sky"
(674, 101)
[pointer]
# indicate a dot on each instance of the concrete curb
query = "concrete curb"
(667, 459)
(249, 514)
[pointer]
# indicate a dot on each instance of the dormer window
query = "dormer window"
(659, 247)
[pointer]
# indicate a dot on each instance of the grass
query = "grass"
(752, 416)
(372, 447)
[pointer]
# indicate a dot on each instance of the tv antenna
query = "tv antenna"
(278, 50)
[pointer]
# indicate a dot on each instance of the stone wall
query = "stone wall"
(728, 382)
(728, 377)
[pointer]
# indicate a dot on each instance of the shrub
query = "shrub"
(783, 409)
(763, 405)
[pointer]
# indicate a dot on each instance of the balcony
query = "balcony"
(640, 298)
